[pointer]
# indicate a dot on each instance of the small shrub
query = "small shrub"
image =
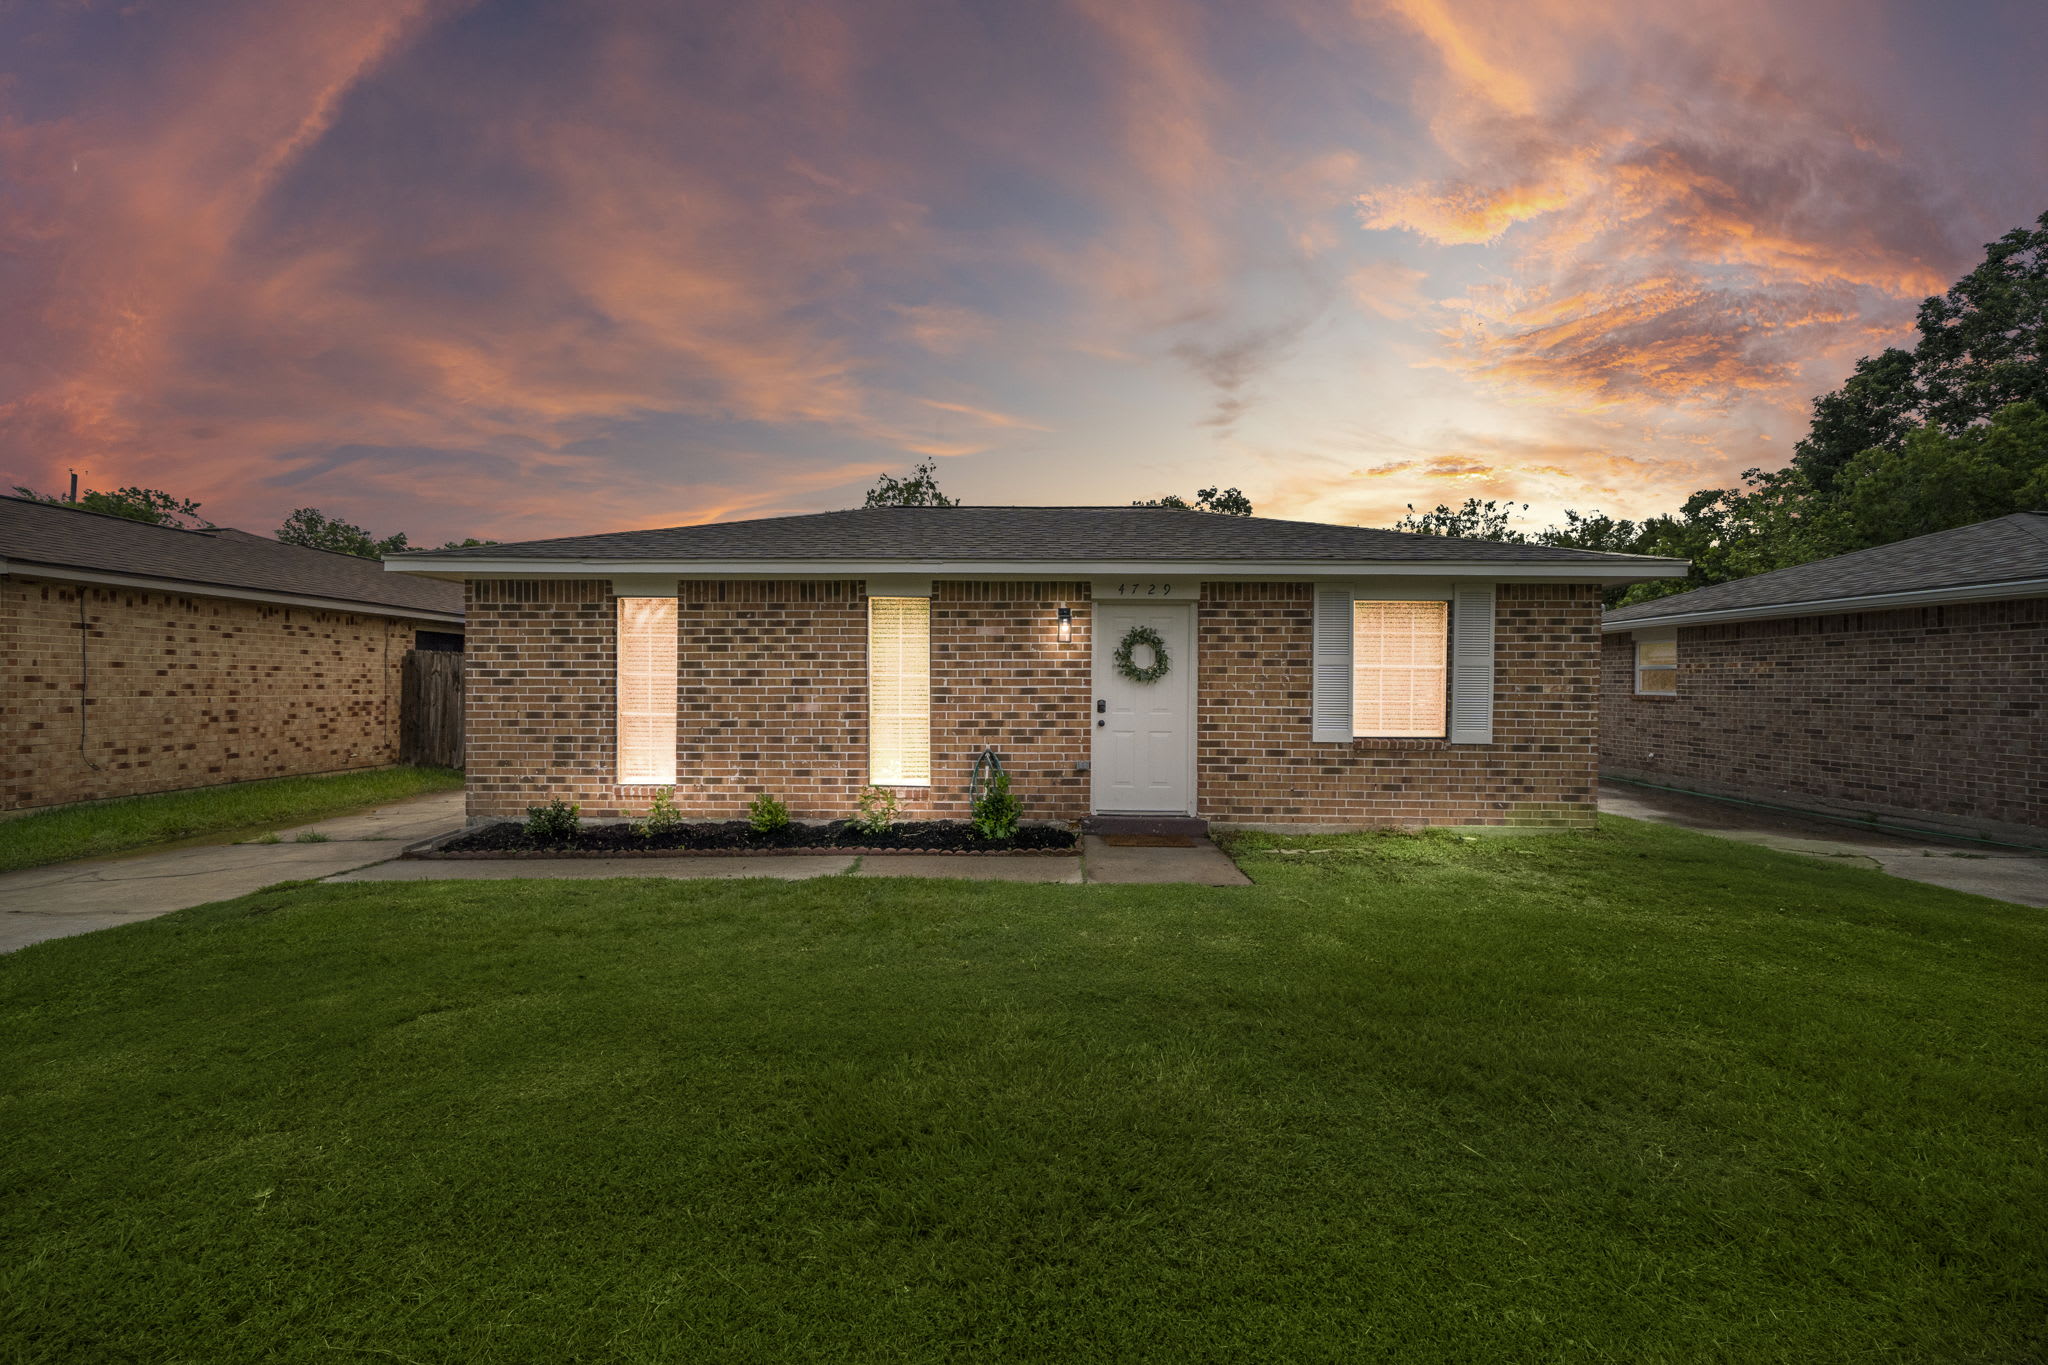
(311, 836)
(662, 816)
(555, 823)
(767, 815)
(878, 811)
(996, 812)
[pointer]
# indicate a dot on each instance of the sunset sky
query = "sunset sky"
(539, 269)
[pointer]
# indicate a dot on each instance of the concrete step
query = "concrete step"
(1146, 824)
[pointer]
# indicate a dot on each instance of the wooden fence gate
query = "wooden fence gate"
(430, 708)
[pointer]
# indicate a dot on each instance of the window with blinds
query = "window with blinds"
(900, 691)
(1398, 675)
(1657, 665)
(647, 691)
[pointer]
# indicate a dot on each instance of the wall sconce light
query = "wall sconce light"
(1066, 625)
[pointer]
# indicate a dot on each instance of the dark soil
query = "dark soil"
(924, 836)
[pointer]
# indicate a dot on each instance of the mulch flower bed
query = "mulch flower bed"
(509, 839)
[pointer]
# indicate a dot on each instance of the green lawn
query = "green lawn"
(101, 827)
(1639, 1095)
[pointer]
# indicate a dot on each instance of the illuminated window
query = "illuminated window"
(1398, 676)
(1657, 665)
(900, 691)
(647, 691)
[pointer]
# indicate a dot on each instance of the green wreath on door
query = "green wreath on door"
(1128, 665)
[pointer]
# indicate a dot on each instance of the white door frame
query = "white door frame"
(1184, 670)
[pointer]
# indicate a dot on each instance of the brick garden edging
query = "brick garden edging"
(812, 851)
(429, 850)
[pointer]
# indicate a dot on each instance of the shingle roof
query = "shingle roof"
(40, 533)
(2008, 549)
(913, 535)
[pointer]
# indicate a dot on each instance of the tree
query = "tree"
(1475, 520)
(919, 488)
(465, 543)
(1984, 344)
(1941, 481)
(1594, 531)
(310, 527)
(137, 504)
(1229, 502)
(1875, 407)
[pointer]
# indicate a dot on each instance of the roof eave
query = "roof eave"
(1501, 570)
(66, 573)
(1835, 606)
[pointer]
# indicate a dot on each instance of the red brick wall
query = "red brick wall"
(1001, 676)
(538, 715)
(186, 691)
(1255, 764)
(772, 695)
(1924, 712)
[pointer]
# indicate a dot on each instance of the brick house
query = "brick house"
(139, 658)
(1902, 684)
(1313, 675)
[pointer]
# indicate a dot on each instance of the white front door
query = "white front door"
(1144, 755)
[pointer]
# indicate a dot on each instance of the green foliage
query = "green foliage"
(136, 504)
(92, 830)
(465, 543)
(1937, 481)
(996, 811)
(1229, 502)
(1475, 520)
(919, 488)
(878, 811)
(1633, 1095)
(765, 814)
(555, 823)
(1874, 407)
(1984, 344)
(313, 529)
(662, 816)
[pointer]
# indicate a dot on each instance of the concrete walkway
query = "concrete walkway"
(73, 898)
(2005, 874)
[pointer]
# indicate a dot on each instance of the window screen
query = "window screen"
(647, 691)
(1657, 667)
(900, 691)
(1397, 668)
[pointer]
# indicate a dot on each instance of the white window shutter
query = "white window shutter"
(1472, 664)
(1330, 707)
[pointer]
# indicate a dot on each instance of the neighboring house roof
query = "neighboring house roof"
(1989, 561)
(983, 540)
(50, 539)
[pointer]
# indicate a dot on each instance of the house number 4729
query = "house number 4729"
(1144, 590)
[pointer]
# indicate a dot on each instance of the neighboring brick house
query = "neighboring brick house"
(1900, 684)
(1315, 675)
(140, 658)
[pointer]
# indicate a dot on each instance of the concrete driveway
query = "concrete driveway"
(73, 898)
(2006, 874)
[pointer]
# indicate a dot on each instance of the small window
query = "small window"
(900, 691)
(647, 691)
(1398, 675)
(1657, 665)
